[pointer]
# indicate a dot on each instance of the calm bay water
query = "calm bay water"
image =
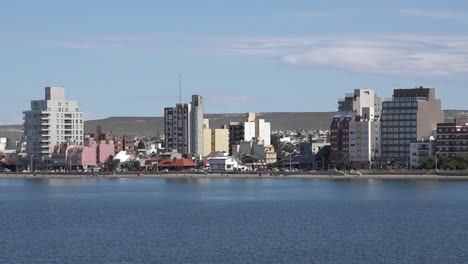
(232, 221)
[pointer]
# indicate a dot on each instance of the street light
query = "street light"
(32, 155)
(436, 154)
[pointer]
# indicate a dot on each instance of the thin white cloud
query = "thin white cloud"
(382, 54)
(415, 55)
(443, 15)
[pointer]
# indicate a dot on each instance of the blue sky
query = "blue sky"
(123, 58)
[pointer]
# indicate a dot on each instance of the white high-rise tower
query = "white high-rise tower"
(51, 122)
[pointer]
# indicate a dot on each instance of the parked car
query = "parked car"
(5, 170)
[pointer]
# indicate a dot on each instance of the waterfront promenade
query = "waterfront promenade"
(330, 176)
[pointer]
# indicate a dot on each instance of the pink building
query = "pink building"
(76, 157)
(104, 151)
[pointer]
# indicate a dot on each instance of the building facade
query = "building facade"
(214, 140)
(363, 143)
(421, 150)
(339, 138)
(177, 128)
(197, 125)
(51, 122)
(248, 130)
(409, 115)
(183, 127)
(361, 101)
(452, 139)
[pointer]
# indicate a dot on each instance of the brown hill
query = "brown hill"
(153, 126)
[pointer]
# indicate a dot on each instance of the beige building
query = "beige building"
(411, 114)
(271, 156)
(248, 130)
(364, 102)
(363, 143)
(214, 140)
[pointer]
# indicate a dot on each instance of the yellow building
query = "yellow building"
(214, 140)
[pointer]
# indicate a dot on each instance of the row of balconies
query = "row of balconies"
(452, 143)
(442, 137)
(453, 149)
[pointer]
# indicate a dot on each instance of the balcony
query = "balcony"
(406, 99)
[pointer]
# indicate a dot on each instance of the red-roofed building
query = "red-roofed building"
(151, 163)
(177, 164)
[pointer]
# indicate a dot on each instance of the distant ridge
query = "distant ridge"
(153, 126)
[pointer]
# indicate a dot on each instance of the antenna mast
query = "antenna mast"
(180, 88)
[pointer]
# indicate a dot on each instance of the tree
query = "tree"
(141, 145)
(323, 156)
(341, 159)
(275, 141)
(111, 164)
(428, 163)
(137, 165)
(456, 162)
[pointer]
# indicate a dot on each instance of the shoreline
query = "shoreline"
(424, 177)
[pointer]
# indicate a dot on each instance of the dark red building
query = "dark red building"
(339, 137)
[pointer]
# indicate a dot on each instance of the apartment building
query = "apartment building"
(421, 150)
(339, 137)
(361, 101)
(363, 143)
(452, 139)
(197, 125)
(51, 122)
(411, 114)
(214, 140)
(183, 127)
(248, 130)
(177, 128)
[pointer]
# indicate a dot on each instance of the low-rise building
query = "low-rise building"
(3, 144)
(421, 150)
(176, 164)
(222, 162)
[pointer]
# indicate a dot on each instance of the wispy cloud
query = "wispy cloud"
(391, 54)
(443, 15)
(382, 54)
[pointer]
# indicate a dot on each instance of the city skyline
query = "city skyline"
(243, 57)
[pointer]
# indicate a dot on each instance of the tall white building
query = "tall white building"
(363, 143)
(256, 129)
(362, 101)
(197, 125)
(51, 122)
(364, 132)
